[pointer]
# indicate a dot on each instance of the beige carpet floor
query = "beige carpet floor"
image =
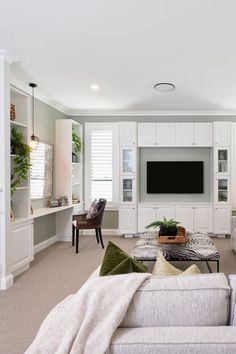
(56, 273)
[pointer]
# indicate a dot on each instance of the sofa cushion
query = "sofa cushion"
(232, 283)
(113, 262)
(192, 300)
(163, 267)
(162, 340)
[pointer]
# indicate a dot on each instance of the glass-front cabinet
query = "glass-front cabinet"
(222, 161)
(128, 158)
(128, 185)
(222, 190)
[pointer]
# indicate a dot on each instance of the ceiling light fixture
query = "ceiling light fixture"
(164, 86)
(94, 87)
(34, 140)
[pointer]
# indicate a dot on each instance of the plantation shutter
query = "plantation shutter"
(101, 164)
(40, 172)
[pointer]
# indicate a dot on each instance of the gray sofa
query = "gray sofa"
(180, 315)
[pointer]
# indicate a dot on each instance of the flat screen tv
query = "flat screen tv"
(176, 177)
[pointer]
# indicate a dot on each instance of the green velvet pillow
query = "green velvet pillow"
(116, 261)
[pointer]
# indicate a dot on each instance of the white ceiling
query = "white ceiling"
(125, 46)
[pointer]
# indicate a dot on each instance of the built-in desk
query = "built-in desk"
(37, 213)
(22, 235)
(46, 211)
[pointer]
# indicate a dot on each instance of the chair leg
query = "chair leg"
(73, 235)
(97, 235)
(77, 240)
(100, 236)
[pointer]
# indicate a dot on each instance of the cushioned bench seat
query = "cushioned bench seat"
(177, 340)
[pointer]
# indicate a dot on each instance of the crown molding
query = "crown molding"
(151, 113)
(23, 86)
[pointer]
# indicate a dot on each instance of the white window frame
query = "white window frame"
(115, 168)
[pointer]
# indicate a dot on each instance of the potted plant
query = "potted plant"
(167, 227)
(77, 146)
(21, 166)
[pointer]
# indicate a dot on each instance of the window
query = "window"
(41, 171)
(101, 162)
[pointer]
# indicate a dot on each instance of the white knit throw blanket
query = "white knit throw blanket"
(84, 322)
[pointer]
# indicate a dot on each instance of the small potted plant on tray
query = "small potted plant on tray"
(167, 227)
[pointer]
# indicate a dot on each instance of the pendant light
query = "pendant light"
(34, 140)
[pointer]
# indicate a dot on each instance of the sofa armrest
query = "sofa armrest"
(232, 283)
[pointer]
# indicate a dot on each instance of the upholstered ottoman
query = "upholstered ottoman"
(199, 247)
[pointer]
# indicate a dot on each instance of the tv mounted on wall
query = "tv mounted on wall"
(176, 177)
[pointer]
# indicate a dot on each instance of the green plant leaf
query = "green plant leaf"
(164, 222)
(21, 165)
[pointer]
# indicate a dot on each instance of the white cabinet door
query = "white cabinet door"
(222, 133)
(184, 215)
(203, 219)
(203, 134)
(22, 245)
(222, 220)
(185, 134)
(146, 215)
(165, 211)
(128, 190)
(222, 192)
(146, 134)
(165, 134)
(128, 133)
(222, 161)
(128, 160)
(128, 219)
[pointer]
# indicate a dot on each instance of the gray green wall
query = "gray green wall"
(111, 217)
(45, 116)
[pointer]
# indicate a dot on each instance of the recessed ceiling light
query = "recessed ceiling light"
(94, 87)
(164, 86)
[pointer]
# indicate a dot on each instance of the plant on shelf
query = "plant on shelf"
(21, 166)
(167, 227)
(77, 146)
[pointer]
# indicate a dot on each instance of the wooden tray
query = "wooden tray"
(181, 237)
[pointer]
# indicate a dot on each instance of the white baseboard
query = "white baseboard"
(111, 232)
(41, 246)
(6, 282)
(21, 270)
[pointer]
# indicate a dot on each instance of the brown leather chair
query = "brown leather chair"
(90, 220)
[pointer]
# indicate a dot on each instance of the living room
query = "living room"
(118, 159)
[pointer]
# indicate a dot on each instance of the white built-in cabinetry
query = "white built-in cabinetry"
(156, 134)
(175, 134)
(195, 217)
(128, 178)
(69, 173)
(22, 234)
(212, 217)
(128, 134)
(222, 134)
(222, 178)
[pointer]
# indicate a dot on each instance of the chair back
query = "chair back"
(96, 214)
